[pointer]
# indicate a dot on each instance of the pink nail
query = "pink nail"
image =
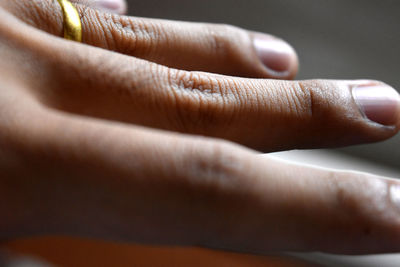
(274, 53)
(112, 6)
(378, 102)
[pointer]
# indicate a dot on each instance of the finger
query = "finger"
(111, 181)
(268, 115)
(111, 6)
(190, 46)
(92, 191)
(299, 208)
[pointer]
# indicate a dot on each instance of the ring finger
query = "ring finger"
(214, 48)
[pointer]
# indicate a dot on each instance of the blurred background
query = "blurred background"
(352, 39)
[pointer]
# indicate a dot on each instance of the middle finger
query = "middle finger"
(264, 114)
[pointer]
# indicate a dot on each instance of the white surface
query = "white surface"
(327, 159)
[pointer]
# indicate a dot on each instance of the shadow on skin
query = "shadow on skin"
(65, 251)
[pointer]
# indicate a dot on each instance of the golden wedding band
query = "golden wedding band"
(72, 21)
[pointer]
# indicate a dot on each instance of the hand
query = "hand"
(122, 137)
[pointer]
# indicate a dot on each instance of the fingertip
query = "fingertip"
(279, 58)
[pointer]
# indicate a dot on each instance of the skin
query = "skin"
(145, 133)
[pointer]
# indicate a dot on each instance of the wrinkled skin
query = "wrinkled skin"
(149, 132)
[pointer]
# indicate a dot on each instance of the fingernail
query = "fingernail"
(275, 54)
(112, 6)
(379, 103)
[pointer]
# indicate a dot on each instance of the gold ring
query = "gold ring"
(72, 21)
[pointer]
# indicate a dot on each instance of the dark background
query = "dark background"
(335, 39)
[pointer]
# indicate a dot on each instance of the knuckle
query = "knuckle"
(227, 40)
(107, 24)
(361, 197)
(317, 99)
(215, 164)
(119, 33)
(309, 95)
(198, 101)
